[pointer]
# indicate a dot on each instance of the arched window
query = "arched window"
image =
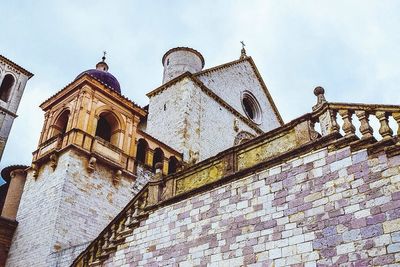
(5, 87)
(157, 157)
(107, 128)
(141, 151)
(172, 165)
(60, 126)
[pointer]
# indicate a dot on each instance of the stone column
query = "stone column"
(15, 189)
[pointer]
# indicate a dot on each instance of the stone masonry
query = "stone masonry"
(323, 208)
(9, 108)
(190, 121)
(57, 210)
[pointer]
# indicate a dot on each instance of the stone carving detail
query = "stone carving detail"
(35, 169)
(193, 157)
(205, 176)
(53, 161)
(313, 133)
(242, 137)
(92, 164)
(117, 177)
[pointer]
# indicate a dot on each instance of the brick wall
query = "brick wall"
(322, 209)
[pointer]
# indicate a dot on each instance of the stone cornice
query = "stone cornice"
(15, 65)
(96, 84)
(194, 51)
(8, 112)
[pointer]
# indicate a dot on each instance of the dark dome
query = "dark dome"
(104, 77)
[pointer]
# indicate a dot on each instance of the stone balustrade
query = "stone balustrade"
(99, 149)
(289, 141)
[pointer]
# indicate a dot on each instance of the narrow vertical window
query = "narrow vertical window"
(5, 87)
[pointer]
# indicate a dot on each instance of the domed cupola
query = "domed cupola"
(101, 73)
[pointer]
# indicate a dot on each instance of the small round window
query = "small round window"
(251, 107)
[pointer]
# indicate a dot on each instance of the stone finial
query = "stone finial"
(319, 93)
(102, 65)
(243, 51)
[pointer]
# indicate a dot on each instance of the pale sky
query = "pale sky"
(351, 48)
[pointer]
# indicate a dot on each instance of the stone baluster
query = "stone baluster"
(335, 126)
(121, 227)
(365, 128)
(348, 126)
(396, 116)
(99, 246)
(128, 220)
(86, 260)
(384, 129)
(113, 236)
(106, 243)
(92, 254)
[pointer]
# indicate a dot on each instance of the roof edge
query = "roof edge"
(15, 65)
(184, 48)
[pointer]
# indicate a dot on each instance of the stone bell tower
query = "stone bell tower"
(13, 79)
(82, 172)
(90, 162)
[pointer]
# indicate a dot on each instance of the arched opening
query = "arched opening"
(60, 126)
(107, 128)
(157, 157)
(172, 165)
(141, 151)
(5, 87)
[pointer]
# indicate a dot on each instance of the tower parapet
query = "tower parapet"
(179, 60)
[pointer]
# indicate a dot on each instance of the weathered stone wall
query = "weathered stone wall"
(325, 208)
(17, 90)
(190, 121)
(230, 82)
(63, 209)
(179, 62)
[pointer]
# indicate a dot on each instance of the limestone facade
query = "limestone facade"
(191, 121)
(200, 113)
(299, 195)
(202, 177)
(58, 206)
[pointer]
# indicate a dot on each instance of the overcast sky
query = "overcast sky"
(351, 48)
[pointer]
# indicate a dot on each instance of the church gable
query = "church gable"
(240, 85)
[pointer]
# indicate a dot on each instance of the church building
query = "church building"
(206, 174)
